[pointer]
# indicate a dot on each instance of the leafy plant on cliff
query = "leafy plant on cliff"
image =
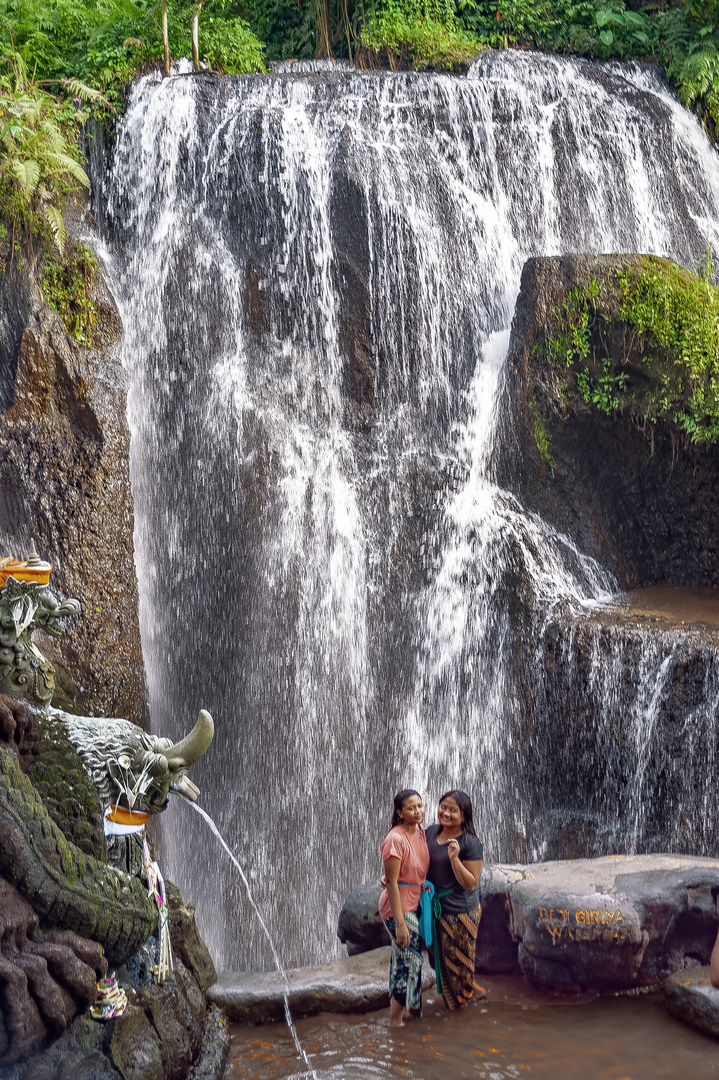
(669, 369)
(572, 320)
(675, 315)
(67, 287)
(541, 435)
(421, 33)
(697, 75)
(40, 164)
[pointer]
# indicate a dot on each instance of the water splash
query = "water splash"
(263, 925)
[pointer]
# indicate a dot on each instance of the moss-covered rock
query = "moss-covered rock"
(641, 337)
(65, 787)
(615, 380)
(67, 888)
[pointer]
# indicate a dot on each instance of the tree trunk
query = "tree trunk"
(324, 46)
(196, 36)
(165, 37)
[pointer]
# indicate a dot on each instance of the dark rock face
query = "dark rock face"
(691, 996)
(359, 926)
(64, 480)
(641, 499)
(186, 941)
(600, 925)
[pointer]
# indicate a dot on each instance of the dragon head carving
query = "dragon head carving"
(129, 767)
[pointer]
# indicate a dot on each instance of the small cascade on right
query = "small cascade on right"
(629, 707)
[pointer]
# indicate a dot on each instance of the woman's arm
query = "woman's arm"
(467, 874)
(391, 873)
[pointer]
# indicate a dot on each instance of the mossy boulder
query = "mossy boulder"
(614, 364)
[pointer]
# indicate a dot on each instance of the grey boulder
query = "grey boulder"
(691, 996)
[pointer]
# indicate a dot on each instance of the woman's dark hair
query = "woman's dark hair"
(464, 803)
(399, 800)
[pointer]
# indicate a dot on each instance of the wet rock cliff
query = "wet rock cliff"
(64, 481)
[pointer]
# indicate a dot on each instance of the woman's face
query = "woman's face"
(412, 811)
(449, 814)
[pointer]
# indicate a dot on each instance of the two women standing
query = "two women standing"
(448, 855)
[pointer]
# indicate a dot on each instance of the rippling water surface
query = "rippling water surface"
(604, 1039)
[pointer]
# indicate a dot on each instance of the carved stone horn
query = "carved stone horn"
(190, 749)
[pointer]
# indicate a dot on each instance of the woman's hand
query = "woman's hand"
(453, 849)
(402, 935)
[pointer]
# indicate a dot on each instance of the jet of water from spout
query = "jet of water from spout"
(275, 955)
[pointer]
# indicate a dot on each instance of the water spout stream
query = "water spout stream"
(275, 955)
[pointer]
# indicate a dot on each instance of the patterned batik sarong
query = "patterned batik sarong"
(454, 946)
(405, 966)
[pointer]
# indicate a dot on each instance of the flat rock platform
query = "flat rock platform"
(351, 984)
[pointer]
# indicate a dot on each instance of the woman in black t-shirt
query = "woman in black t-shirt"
(455, 863)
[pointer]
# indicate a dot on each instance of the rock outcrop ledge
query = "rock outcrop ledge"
(604, 925)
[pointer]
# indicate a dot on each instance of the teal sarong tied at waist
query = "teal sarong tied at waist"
(437, 900)
(426, 909)
(437, 912)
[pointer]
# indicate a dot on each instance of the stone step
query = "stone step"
(351, 984)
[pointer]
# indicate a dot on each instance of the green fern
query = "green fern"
(698, 79)
(40, 163)
(27, 174)
(55, 221)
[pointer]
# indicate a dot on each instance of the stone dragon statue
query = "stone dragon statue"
(64, 911)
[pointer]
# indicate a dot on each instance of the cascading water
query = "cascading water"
(635, 770)
(316, 276)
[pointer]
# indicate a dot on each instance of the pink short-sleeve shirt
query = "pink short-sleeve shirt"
(414, 862)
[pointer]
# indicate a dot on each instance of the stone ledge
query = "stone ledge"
(353, 984)
(600, 925)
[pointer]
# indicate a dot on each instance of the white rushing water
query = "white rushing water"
(316, 277)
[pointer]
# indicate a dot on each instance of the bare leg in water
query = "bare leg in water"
(396, 1013)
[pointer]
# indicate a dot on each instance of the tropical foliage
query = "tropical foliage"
(39, 156)
(59, 58)
(104, 43)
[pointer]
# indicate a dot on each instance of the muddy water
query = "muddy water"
(511, 1035)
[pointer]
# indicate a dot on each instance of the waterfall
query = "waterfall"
(316, 274)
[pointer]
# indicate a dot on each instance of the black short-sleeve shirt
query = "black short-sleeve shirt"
(441, 874)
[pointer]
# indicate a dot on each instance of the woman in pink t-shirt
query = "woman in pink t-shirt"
(405, 860)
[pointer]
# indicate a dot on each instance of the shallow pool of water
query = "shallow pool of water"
(501, 1038)
(673, 605)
